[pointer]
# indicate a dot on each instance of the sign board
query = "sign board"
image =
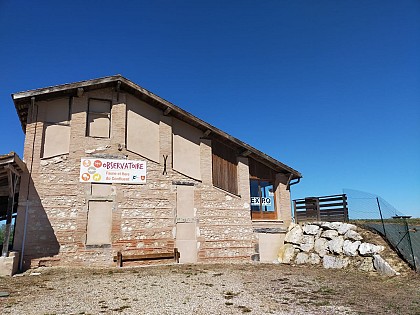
(265, 201)
(112, 171)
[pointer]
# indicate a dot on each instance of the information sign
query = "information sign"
(112, 171)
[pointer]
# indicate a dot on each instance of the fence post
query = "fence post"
(318, 210)
(346, 210)
(411, 244)
(380, 213)
(295, 211)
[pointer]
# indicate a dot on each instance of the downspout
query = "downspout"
(290, 183)
(29, 182)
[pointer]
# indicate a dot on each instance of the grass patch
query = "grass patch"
(325, 291)
(121, 308)
(321, 303)
(228, 295)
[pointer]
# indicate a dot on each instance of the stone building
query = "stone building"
(113, 167)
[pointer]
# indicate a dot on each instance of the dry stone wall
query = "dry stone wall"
(334, 245)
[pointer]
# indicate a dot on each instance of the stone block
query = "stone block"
(383, 267)
(308, 242)
(353, 235)
(350, 248)
(295, 235)
(9, 265)
(336, 245)
(344, 227)
(314, 259)
(329, 234)
(333, 262)
(321, 246)
(286, 254)
(368, 249)
(302, 258)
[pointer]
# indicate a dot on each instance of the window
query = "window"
(56, 135)
(262, 188)
(225, 165)
(262, 199)
(99, 118)
(186, 149)
(142, 134)
(99, 223)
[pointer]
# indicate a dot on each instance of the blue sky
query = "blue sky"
(331, 88)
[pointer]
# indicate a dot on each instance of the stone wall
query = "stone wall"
(334, 245)
(143, 216)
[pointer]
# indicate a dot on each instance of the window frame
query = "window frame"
(261, 172)
(260, 214)
(104, 114)
(47, 123)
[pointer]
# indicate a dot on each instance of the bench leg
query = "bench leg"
(119, 259)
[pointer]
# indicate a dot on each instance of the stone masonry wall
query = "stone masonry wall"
(143, 216)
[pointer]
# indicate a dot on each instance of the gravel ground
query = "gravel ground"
(209, 289)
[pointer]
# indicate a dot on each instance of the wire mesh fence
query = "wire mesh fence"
(376, 213)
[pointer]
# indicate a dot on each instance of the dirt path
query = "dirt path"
(209, 289)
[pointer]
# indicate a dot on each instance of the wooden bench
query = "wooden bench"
(120, 258)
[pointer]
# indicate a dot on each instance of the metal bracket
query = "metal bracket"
(165, 158)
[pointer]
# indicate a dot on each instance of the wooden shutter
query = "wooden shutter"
(225, 165)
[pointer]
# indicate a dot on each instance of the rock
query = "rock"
(344, 227)
(353, 235)
(314, 259)
(329, 234)
(335, 225)
(321, 246)
(368, 249)
(307, 244)
(350, 248)
(325, 225)
(286, 254)
(336, 245)
(295, 235)
(291, 226)
(44, 162)
(383, 267)
(332, 262)
(365, 264)
(310, 229)
(301, 258)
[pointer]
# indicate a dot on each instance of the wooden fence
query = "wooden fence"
(325, 208)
